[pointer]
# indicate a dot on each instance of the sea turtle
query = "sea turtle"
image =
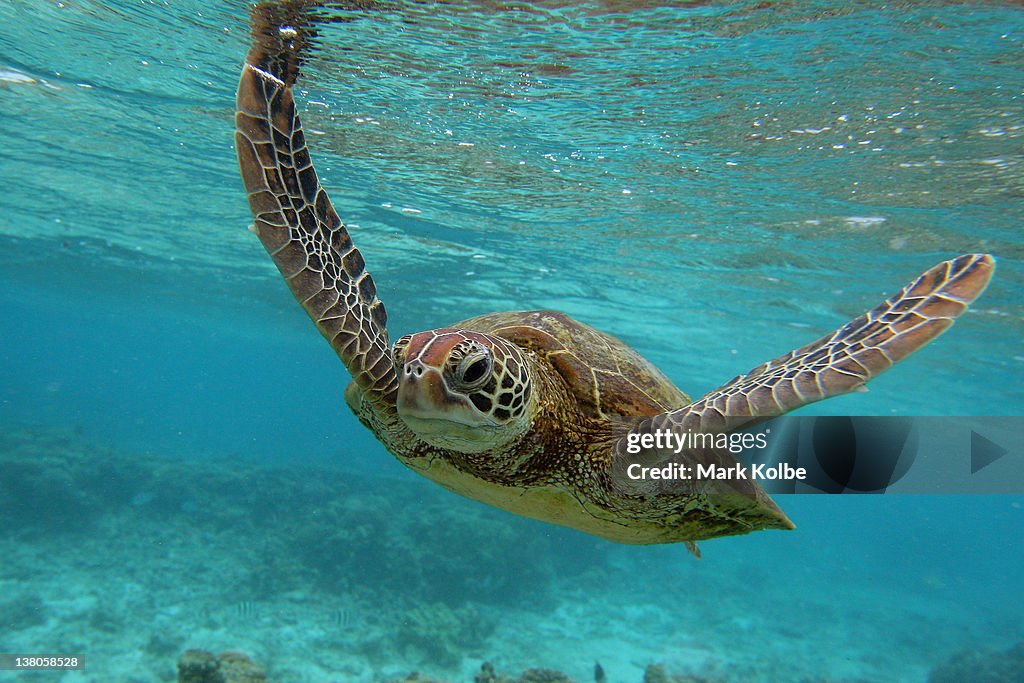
(520, 409)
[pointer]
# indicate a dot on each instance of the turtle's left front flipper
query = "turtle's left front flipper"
(293, 216)
(846, 359)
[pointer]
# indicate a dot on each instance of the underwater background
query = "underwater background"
(715, 183)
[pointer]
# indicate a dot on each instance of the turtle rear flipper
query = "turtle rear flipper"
(846, 359)
(293, 216)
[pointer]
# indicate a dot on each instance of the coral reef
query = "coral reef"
(326, 529)
(200, 666)
(441, 635)
(543, 676)
(415, 677)
(363, 524)
(37, 490)
(655, 673)
(487, 674)
(328, 559)
(23, 611)
(986, 666)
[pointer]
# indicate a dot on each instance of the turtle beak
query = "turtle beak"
(420, 391)
(442, 420)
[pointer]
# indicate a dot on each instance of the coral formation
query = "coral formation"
(325, 527)
(200, 666)
(655, 673)
(38, 492)
(416, 677)
(986, 666)
(543, 676)
(441, 635)
(487, 674)
(23, 611)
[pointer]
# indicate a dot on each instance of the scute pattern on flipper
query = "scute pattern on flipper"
(294, 217)
(846, 359)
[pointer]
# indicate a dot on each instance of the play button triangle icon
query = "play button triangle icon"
(984, 452)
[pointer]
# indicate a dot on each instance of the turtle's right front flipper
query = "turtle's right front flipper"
(294, 218)
(846, 359)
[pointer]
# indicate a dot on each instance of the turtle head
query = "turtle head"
(463, 391)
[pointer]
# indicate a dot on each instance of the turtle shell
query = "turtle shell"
(608, 378)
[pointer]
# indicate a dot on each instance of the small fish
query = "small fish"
(599, 676)
(345, 617)
(246, 609)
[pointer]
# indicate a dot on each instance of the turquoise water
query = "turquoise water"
(714, 183)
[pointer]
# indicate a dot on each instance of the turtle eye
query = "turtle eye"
(473, 371)
(398, 351)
